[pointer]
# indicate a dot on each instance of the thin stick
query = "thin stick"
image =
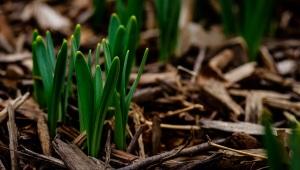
(234, 150)
(171, 154)
(176, 127)
(194, 106)
(107, 149)
(13, 137)
(198, 64)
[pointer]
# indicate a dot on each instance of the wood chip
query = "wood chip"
(73, 157)
(286, 67)
(284, 104)
(151, 78)
(240, 72)
(253, 108)
(218, 91)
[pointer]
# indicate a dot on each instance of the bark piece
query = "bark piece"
(218, 91)
(146, 94)
(13, 137)
(156, 134)
(44, 136)
(73, 157)
(246, 127)
(151, 78)
(253, 108)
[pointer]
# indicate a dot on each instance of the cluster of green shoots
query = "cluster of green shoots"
(122, 42)
(97, 91)
(278, 157)
(49, 73)
(250, 19)
(167, 14)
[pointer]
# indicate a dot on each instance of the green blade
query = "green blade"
(57, 88)
(114, 24)
(90, 60)
(97, 53)
(107, 54)
(294, 146)
(84, 90)
(75, 43)
(77, 36)
(50, 50)
(119, 133)
(117, 46)
(39, 91)
(108, 92)
(277, 156)
(136, 81)
(98, 90)
(43, 63)
(131, 43)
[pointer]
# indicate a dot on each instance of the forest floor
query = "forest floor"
(201, 110)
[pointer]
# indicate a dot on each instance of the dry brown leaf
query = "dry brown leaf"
(49, 18)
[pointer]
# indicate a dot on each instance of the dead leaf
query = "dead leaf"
(48, 18)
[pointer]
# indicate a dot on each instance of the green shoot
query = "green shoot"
(49, 72)
(277, 155)
(246, 20)
(49, 88)
(94, 99)
(167, 17)
(112, 49)
(128, 8)
(75, 43)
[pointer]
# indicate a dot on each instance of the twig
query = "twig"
(186, 70)
(194, 106)
(187, 151)
(198, 64)
(134, 140)
(33, 156)
(13, 137)
(176, 127)
(44, 158)
(73, 157)
(235, 150)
